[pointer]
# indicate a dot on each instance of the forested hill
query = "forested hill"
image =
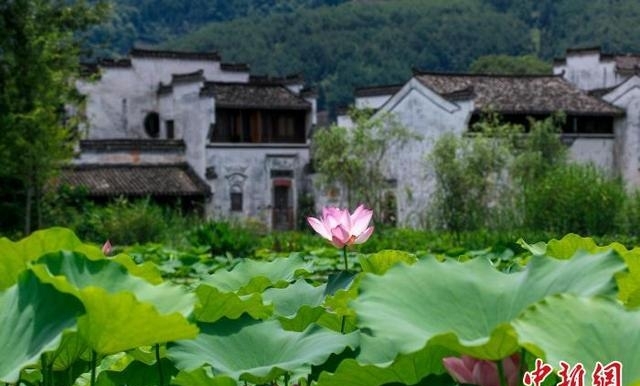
(338, 45)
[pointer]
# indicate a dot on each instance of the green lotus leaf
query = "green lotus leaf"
(406, 369)
(71, 349)
(72, 271)
(379, 263)
(13, 263)
(119, 322)
(213, 305)
(258, 351)
(628, 282)
(468, 306)
(201, 377)
(33, 316)
(16, 255)
(298, 305)
(251, 276)
(287, 301)
(583, 330)
(137, 373)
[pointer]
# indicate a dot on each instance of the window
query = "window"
(236, 199)
(169, 126)
(152, 124)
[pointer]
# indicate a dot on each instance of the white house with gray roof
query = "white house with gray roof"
(189, 127)
(434, 103)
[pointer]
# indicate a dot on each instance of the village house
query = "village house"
(598, 93)
(186, 128)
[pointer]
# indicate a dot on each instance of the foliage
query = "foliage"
(575, 197)
(353, 157)
(123, 221)
(377, 41)
(270, 323)
(470, 176)
(220, 238)
(40, 50)
(511, 65)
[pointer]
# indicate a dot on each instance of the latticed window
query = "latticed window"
(236, 199)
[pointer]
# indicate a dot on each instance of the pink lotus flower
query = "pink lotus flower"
(341, 228)
(483, 372)
(106, 248)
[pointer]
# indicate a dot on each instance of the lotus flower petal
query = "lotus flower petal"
(342, 228)
(458, 369)
(319, 227)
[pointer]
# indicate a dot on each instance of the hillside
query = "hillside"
(339, 45)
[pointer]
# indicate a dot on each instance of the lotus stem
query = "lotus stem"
(286, 379)
(94, 361)
(344, 256)
(503, 381)
(159, 364)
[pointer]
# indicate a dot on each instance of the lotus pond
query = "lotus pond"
(69, 315)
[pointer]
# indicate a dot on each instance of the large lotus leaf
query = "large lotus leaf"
(12, 263)
(466, 306)
(71, 349)
(254, 276)
(72, 271)
(298, 305)
(583, 330)
(380, 262)
(16, 255)
(258, 351)
(213, 305)
(287, 301)
(628, 282)
(138, 374)
(406, 369)
(33, 316)
(201, 377)
(119, 322)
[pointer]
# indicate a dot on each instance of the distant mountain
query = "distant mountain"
(149, 22)
(339, 45)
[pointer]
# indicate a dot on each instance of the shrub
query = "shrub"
(222, 237)
(575, 198)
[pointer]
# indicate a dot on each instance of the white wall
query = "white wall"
(587, 71)
(429, 116)
(250, 166)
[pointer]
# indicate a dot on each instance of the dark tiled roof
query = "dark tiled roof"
(276, 80)
(533, 94)
(234, 67)
(628, 64)
(145, 53)
(248, 95)
(123, 63)
(195, 76)
(377, 90)
(135, 180)
(132, 145)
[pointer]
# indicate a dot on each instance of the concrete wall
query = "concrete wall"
(249, 166)
(596, 149)
(627, 128)
(429, 116)
(588, 71)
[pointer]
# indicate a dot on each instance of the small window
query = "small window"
(169, 126)
(152, 124)
(236, 202)
(236, 199)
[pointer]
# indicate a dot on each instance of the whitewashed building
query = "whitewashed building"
(189, 128)
(601, 130)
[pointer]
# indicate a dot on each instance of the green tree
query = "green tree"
(352, 157)
(39, 58)
(510, 65)
(471, 183)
